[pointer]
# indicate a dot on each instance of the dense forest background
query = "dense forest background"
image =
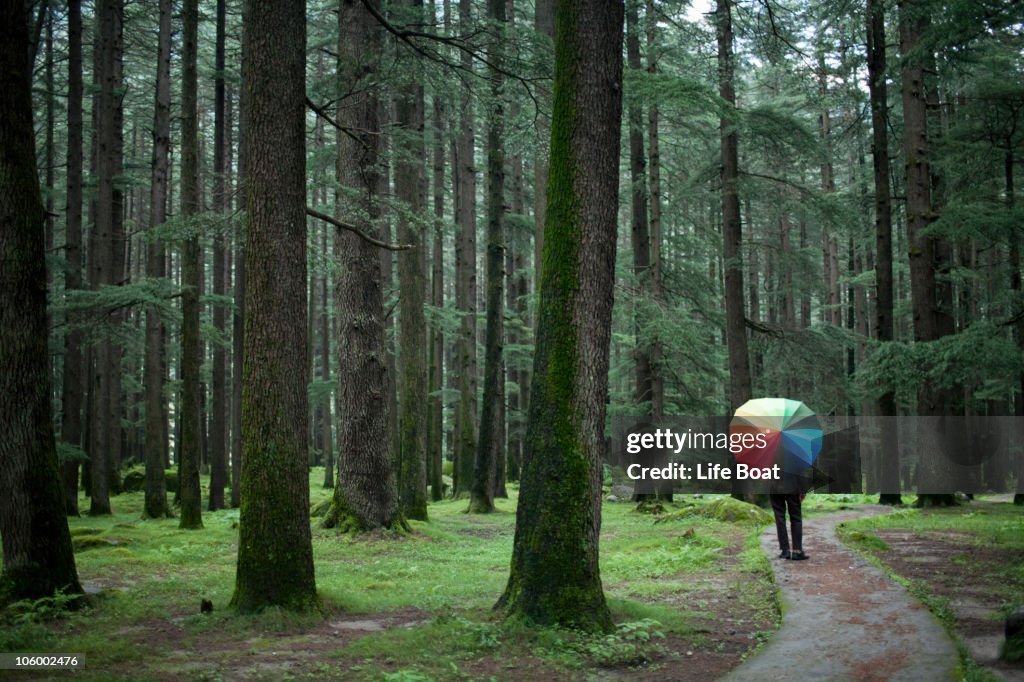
(816, 200)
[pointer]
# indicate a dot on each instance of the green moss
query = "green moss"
(86, 542)
(134, 481)
(726, 509)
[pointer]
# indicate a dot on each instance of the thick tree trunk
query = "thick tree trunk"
(73, 388)
(491, 443)
(190, 450)
(732, 234)
(889, 469)
(37, 553)
(154, 369)
(366, 493)
(275, 550)
(218, 441)
(555, 577)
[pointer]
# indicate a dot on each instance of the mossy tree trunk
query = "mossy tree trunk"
(275, 550)
(555, 577)
(889, 471)
(37, 554)
(490, 445)
(189, 492)
(366, 494)
(154, 369)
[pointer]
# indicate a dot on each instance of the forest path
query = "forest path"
(843, 619)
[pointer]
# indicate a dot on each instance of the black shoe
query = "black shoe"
(784, 554)
(798, 556)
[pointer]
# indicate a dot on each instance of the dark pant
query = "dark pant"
(779, 504)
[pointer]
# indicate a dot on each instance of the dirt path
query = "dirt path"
(844, 619)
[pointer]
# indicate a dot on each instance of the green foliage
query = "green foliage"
(66, 452)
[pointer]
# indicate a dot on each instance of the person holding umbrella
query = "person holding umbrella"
(790, 437)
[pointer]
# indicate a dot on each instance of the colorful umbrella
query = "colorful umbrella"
(789, 430)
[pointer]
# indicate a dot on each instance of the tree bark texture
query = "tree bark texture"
(275, 551)
(466, 289)
(555, 577)
(412, 283)
(154, 363)
(190, 450)
(889, 473)
(732, 232)
(73, 388)
(491, 443)
(218, 442)
(37, 554)
(366, 493)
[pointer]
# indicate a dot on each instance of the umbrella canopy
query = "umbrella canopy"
(791, 434)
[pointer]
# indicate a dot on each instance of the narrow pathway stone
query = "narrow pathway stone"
(844, 619)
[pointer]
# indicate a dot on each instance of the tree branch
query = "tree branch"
(359, 233)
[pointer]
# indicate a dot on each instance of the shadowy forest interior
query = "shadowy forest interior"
(315, 315)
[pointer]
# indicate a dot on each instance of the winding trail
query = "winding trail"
(843, 619)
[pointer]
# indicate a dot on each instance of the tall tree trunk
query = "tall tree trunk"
(326, 421)
(920, 214)
(190, 450)
(654, 175)
(889, 470)
(73, 387)
(37, 555)
(490, 446)
(732, 235)
(641, 238)
(833, 314)
(275, 549)
(412, 328)
(366, 493)
(154, 363)
(465, 292)
(544, 25)
(555, 577)
(218, 442)
(238, 318)
(104, 430)
(435, 441)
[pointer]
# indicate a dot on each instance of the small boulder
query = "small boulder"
(134, 481)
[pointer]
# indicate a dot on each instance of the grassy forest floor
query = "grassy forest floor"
(692, 597)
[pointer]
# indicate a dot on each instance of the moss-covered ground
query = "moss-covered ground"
(691, 593)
